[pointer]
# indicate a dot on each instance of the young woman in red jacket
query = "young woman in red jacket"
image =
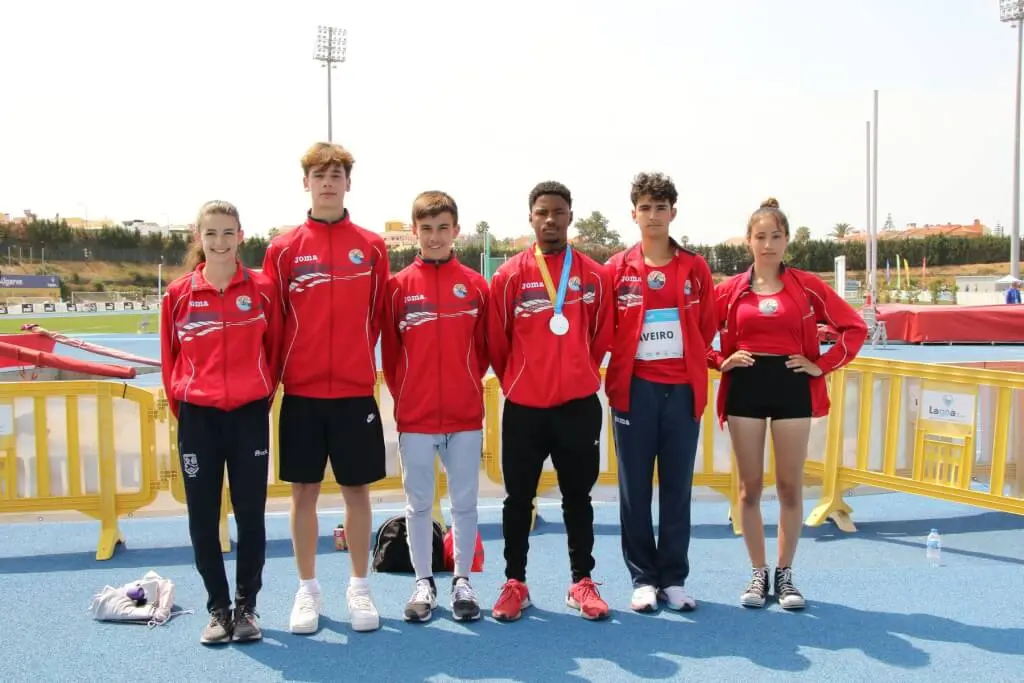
(773, 370)
(220, 329)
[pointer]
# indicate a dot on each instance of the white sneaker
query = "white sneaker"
(678, 599)
(305, 617)
(645, 599)
(361, 610)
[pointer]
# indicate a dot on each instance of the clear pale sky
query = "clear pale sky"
(145, 110)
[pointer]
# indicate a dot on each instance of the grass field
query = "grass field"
(78, 323)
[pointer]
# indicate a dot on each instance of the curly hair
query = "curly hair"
(657, 186)
(550, 187)
(769, 207)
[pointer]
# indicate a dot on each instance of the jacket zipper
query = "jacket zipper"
(331, 314)
(440, 374)
(224, 345)
(561, 392)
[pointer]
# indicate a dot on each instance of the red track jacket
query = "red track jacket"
(220, 349)
(819, 302)
(626, 269)
(331, 279)
(537, 368)
(433, 347)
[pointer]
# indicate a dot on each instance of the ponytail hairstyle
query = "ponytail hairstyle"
(769, 207)
(195, 255)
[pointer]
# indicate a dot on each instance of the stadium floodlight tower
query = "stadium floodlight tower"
(1012, 12)
(331, 44)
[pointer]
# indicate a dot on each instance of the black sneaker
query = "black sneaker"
(218, 631)
(757, 590)
(423, 601)
(247, 625)
(785, 592)
(465, 604)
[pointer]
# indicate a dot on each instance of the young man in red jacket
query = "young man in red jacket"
(331, 275)
(549, 326)
(435, 357)
(657, 385)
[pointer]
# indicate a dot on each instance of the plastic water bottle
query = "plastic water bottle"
(933, 548)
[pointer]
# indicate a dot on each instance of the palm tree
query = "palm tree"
(841, 230)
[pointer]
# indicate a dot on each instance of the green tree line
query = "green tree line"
(56, 241)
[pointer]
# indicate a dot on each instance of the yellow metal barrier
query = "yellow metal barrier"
(925, 439)
(896, 426)
(103, 466)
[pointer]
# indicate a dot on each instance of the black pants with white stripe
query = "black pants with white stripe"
(208, 440)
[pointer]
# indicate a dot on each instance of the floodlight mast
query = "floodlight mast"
(331, 45)
(873, 237)
(1012, 12)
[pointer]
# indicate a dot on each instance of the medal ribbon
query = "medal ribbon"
(557, 298)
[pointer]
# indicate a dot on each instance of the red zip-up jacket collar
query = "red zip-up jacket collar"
(220, 348)
(697, 317)
(344, 221)
(199, 283)
(817, 301)
(433, 346)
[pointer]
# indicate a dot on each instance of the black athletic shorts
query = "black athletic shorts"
(347, 431)
(768, 390)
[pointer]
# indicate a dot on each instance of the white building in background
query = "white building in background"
(183, 230)
(979, 290)
(145, 227)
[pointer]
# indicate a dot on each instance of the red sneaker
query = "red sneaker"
(583, 596)
(514, 598)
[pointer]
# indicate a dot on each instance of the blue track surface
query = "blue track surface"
(876, 611)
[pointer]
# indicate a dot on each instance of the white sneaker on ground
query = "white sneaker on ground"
(305, 617)
(361, 610)
(678, 599)
(645, 599)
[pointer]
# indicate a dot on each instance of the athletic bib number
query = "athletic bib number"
(661, 336)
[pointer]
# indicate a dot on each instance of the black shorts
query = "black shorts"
(768, 390)
(347, 431)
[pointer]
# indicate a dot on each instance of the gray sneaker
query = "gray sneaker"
(423, 601)
(247, 625)
(218, 631)
(465, 604)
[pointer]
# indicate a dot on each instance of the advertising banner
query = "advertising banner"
(29, 282)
